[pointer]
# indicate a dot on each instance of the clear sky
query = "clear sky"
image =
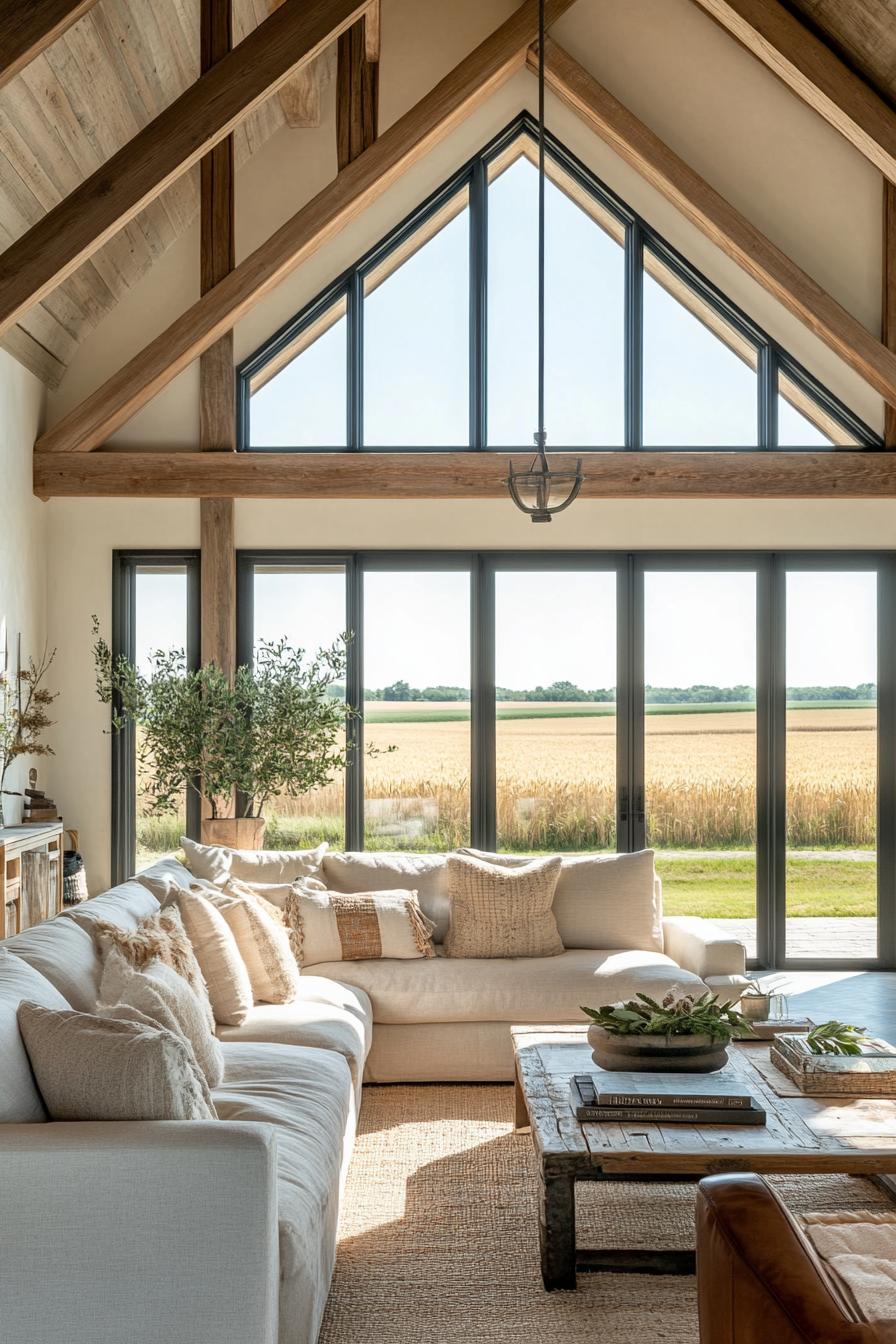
(699, 627)
(697, 392)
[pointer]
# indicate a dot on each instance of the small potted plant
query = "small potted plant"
(24, 717)
(683, 1034)
(276, 730)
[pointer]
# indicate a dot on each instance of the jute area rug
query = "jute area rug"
(439, 1241)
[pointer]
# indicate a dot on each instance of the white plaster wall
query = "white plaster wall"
(23, 531)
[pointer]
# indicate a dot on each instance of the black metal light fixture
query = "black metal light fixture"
(537, 490)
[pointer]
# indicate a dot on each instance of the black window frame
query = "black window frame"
(630, 567)
(125, 565)
(772, 358)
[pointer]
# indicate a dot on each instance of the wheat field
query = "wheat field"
(556, 784)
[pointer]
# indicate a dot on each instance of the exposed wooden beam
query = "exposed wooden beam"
(888, 305)
(357, 96)
(300, 95)
(28, 29)
(719, 220)
(623, 475)
(178, 138)
(217, 426)
(814, 72)
(407, 141)
(372, 22)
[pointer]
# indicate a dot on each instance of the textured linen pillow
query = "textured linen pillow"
(163, 996)
(96, 1068)
(161, 937)
(263, 941)
(608, 901)
(331, 926)
(502, 912)
(223, 969)
(384, 871)
(216, 863)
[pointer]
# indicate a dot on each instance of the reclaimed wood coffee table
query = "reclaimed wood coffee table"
(852, 1136)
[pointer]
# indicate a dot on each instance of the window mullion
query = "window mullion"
(478, 304)
(634, 335)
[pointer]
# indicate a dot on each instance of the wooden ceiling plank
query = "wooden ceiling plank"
(28, 29)
(462, 475)
(372, 33)
(725, 226)
(300, 95)
(814, 72)
(408, 140)
(178, 137)
(35, 357)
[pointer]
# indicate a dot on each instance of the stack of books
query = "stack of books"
(38, 807)
(593, 1103)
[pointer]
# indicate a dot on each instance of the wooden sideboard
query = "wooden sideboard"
(30, 875)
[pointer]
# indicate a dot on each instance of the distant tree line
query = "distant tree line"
(567, 691)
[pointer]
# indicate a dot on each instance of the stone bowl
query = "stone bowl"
(655, 1054)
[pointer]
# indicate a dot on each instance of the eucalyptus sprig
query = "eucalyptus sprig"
(677, 1015)
(836, 1038)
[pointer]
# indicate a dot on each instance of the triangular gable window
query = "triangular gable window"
(429, 341)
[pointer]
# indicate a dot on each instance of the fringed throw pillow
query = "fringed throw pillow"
(161, 937)
(329, 926)
(263, 941)
(224, 971)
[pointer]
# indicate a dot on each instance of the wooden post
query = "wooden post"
(357, 88)
(217, 423)
(888, 334)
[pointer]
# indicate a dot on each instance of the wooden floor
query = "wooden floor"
(865, 998)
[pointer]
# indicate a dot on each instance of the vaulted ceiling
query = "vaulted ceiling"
(123, 61)
(71, 108)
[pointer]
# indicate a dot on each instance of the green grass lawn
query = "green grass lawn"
(726, 888)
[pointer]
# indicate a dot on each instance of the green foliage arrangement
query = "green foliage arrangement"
(836, 1038)
(24, 717)
(676, 1016)
(275, 731)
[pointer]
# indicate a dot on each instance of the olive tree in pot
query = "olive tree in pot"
(276, 731)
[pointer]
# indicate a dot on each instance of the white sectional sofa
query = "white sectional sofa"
(224, 1232)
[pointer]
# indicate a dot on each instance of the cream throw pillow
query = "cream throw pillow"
(161, 937)
(216, 863)
(263, 942)
(502, 912)
(164, 997)
(223, 969)
(329, 926)
(96, 1068)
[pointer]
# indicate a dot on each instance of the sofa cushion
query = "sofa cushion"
(307, 1096)
(324, 1013)
(262, 939)
(517, 989)
(502, 912)
(20, 1101)
(66, 955)
(125, 906)
(335, 926)
(222, 967)
(216, 863)
(424, 873)
(602, 900)
(94, 1068)
(167, 874)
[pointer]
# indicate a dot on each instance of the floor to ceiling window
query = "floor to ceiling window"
(725, 710)
(700, 743)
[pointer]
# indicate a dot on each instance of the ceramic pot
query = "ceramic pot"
(656, 1054)
(233, 832)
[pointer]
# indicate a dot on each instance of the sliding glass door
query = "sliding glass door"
(555, 708)
(700, 741)
(831, 757)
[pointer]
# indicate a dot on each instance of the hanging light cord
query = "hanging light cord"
(541, 175)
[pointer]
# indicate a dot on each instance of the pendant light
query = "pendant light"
(537, 490)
